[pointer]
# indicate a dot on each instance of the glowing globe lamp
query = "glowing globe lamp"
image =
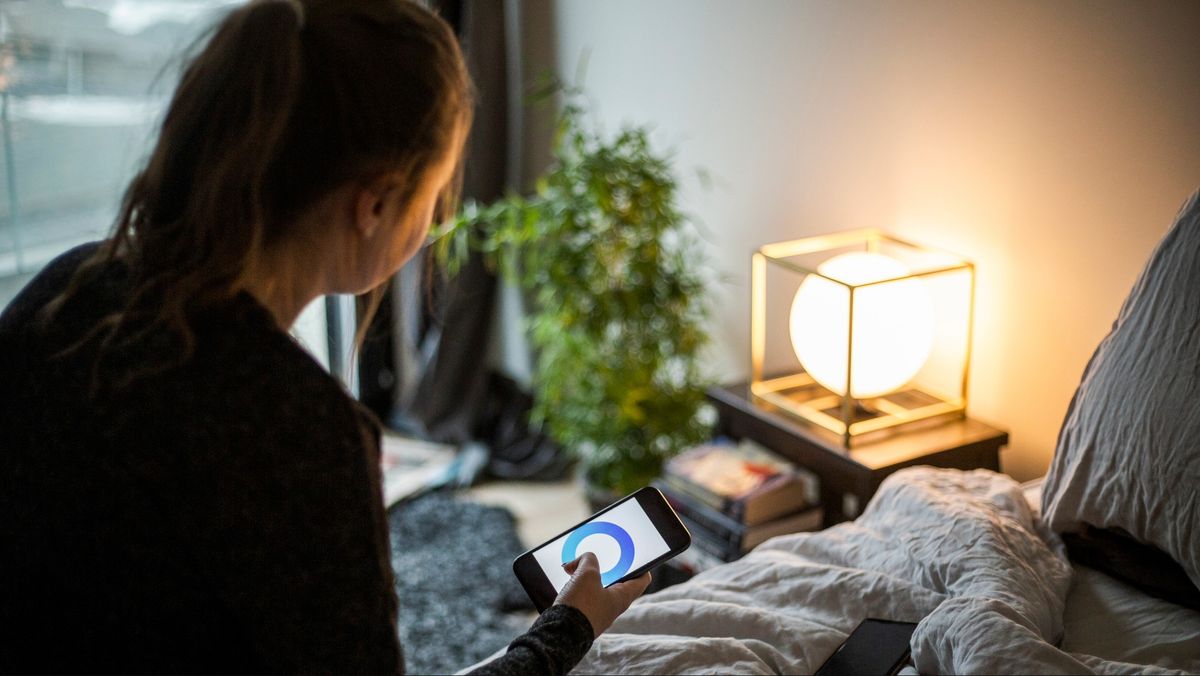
(893, 324)
(858, 332)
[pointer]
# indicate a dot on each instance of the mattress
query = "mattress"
(1113, 621)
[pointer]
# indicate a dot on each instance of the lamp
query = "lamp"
(876, 332)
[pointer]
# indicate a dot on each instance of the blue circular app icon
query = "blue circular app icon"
(607, 577)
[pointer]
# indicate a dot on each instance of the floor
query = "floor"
(543, 509)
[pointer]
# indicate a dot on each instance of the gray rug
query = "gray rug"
(453, 564)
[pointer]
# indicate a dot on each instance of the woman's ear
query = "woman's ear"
(370, 206)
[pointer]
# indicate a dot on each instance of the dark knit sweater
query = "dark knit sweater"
(223, 516)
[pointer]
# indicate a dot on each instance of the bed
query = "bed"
(978, 560)
(963, 553)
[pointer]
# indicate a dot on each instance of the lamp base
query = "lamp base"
(800, 396)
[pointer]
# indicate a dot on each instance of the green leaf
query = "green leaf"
(619, 303)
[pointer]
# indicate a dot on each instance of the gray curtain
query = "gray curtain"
(427, 370)
(442, 326)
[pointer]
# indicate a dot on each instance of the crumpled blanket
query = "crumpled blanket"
(960, 552)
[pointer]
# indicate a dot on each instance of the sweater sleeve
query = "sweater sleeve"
(555, 643)
(297, 545)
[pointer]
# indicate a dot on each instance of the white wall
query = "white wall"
(1049, 142)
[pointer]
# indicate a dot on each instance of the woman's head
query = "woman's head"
(297, 116)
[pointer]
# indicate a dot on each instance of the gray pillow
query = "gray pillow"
(1128, 456)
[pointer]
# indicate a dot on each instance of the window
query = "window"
(83, 86)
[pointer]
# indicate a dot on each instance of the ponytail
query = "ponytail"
(204, 183)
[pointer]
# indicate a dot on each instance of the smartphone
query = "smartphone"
(878, 647)
(629, 537)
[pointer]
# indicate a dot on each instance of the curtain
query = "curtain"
(425, 366)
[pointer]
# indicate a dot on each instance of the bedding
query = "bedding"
(1127, 459)
(1114, 621)
(960, 552)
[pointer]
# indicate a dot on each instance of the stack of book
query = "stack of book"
(733, 498)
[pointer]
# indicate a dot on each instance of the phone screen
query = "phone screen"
(622, 538)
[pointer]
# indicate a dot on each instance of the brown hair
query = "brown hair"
(288, 101)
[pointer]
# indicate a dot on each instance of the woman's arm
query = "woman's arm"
(564, 633)
(555, 643)
(297, 545)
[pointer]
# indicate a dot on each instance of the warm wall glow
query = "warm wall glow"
(1053, 149)
(893, 325)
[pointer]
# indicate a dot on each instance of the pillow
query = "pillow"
(1128, 454)
(1139, 565)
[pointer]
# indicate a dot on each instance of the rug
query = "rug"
(453, 565)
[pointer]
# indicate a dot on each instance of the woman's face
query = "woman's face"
(425, 201)
(405, 226)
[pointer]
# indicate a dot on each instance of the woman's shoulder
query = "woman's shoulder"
(249, 418)
(247, 383)
(46, 284)
(258, 378)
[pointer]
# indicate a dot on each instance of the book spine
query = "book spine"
(712, 518)
(709, 544)
(728, 539)
(711, 522)
(695, 491)
(805, 521)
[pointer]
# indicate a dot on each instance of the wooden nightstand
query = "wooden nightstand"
(850, 477)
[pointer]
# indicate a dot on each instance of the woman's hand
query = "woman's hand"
(601, 605)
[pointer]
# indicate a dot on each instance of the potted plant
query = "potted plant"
(618, 312)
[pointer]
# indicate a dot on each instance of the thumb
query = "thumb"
(570, 566)
(582, 563)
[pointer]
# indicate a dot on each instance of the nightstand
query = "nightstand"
(850, 477)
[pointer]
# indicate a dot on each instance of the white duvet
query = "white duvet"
(960, 552)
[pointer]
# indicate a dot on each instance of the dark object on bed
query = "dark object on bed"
(874, 648)
(1143, 566)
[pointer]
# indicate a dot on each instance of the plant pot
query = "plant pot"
(598, 497)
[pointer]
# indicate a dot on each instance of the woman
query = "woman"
(181, 487)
